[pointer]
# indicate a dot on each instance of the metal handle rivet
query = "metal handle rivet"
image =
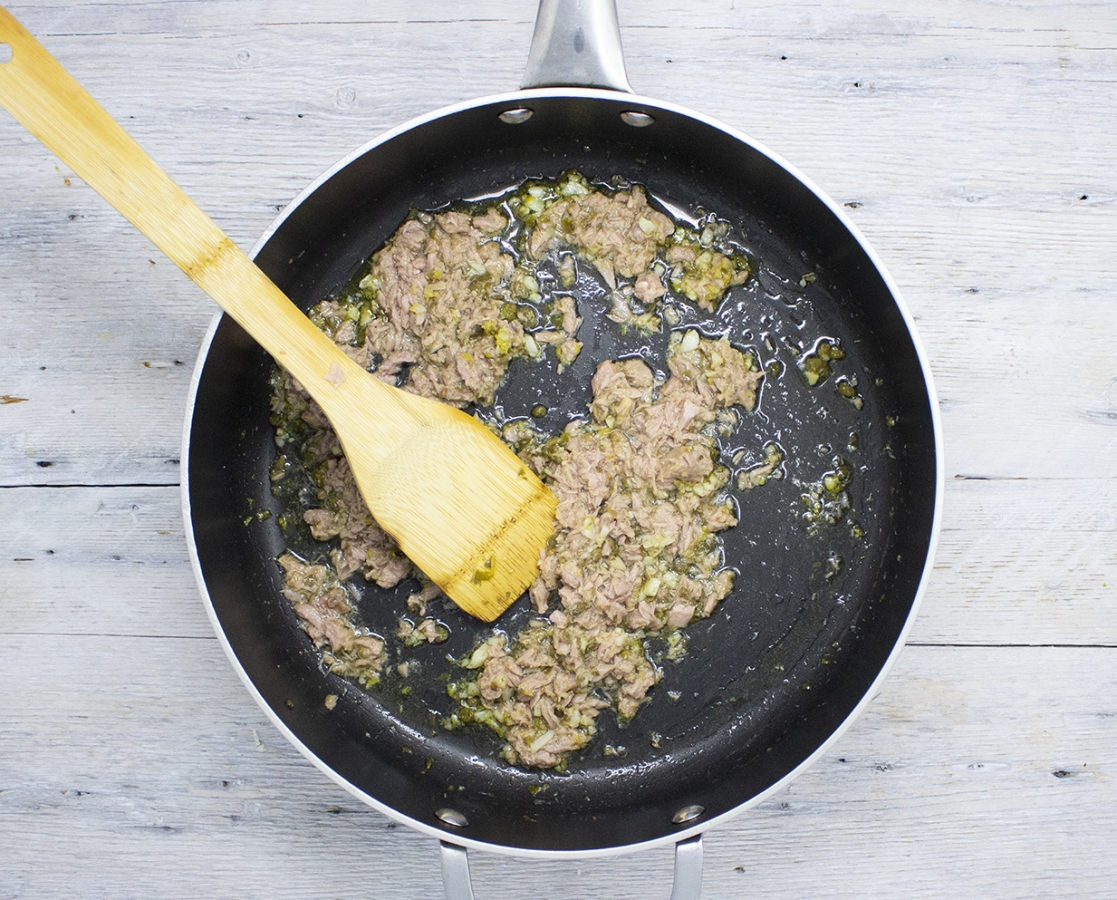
(452, 817)
(688, 814)
(516, 116)
(637, 119)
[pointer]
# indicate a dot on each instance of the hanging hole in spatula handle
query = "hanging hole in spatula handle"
(457, 885)
(10, 33)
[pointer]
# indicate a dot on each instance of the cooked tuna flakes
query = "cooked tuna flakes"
(620, 234)
(441, 311)
(634, 555)
(436, 291)
(425, 631)
(438, 318)
(323, 607)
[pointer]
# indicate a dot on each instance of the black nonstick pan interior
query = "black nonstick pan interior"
(816, 611)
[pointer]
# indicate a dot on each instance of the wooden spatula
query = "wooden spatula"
(461, 505)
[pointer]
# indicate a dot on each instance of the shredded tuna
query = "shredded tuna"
(618, 233)
(640, 500)
(441, 310)
(440, 283)
(437, 312)
(322, 606)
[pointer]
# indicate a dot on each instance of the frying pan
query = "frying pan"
(821, 602)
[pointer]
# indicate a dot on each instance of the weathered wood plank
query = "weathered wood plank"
(1024, 561)
(971, 141)
(139, 766)
(244, 132)
(1020, 562)
(96, 561)
(972, 200)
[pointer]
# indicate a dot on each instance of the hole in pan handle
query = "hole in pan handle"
(456, 884)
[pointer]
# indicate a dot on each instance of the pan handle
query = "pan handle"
(577, 43)
(456, 884)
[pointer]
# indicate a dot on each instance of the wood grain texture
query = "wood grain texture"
(155, 774)
(972, 141)
(113, 560)
(390, 437)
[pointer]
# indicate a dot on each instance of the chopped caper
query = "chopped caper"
(485, 571)
(815, 369)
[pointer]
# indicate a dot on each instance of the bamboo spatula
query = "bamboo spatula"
(459, 502)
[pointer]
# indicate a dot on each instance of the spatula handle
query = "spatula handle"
(45, 99)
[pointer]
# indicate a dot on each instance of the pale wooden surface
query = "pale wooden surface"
(975, 143)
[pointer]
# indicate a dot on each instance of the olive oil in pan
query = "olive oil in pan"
(802, 530)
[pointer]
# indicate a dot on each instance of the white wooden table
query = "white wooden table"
(975, 144)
